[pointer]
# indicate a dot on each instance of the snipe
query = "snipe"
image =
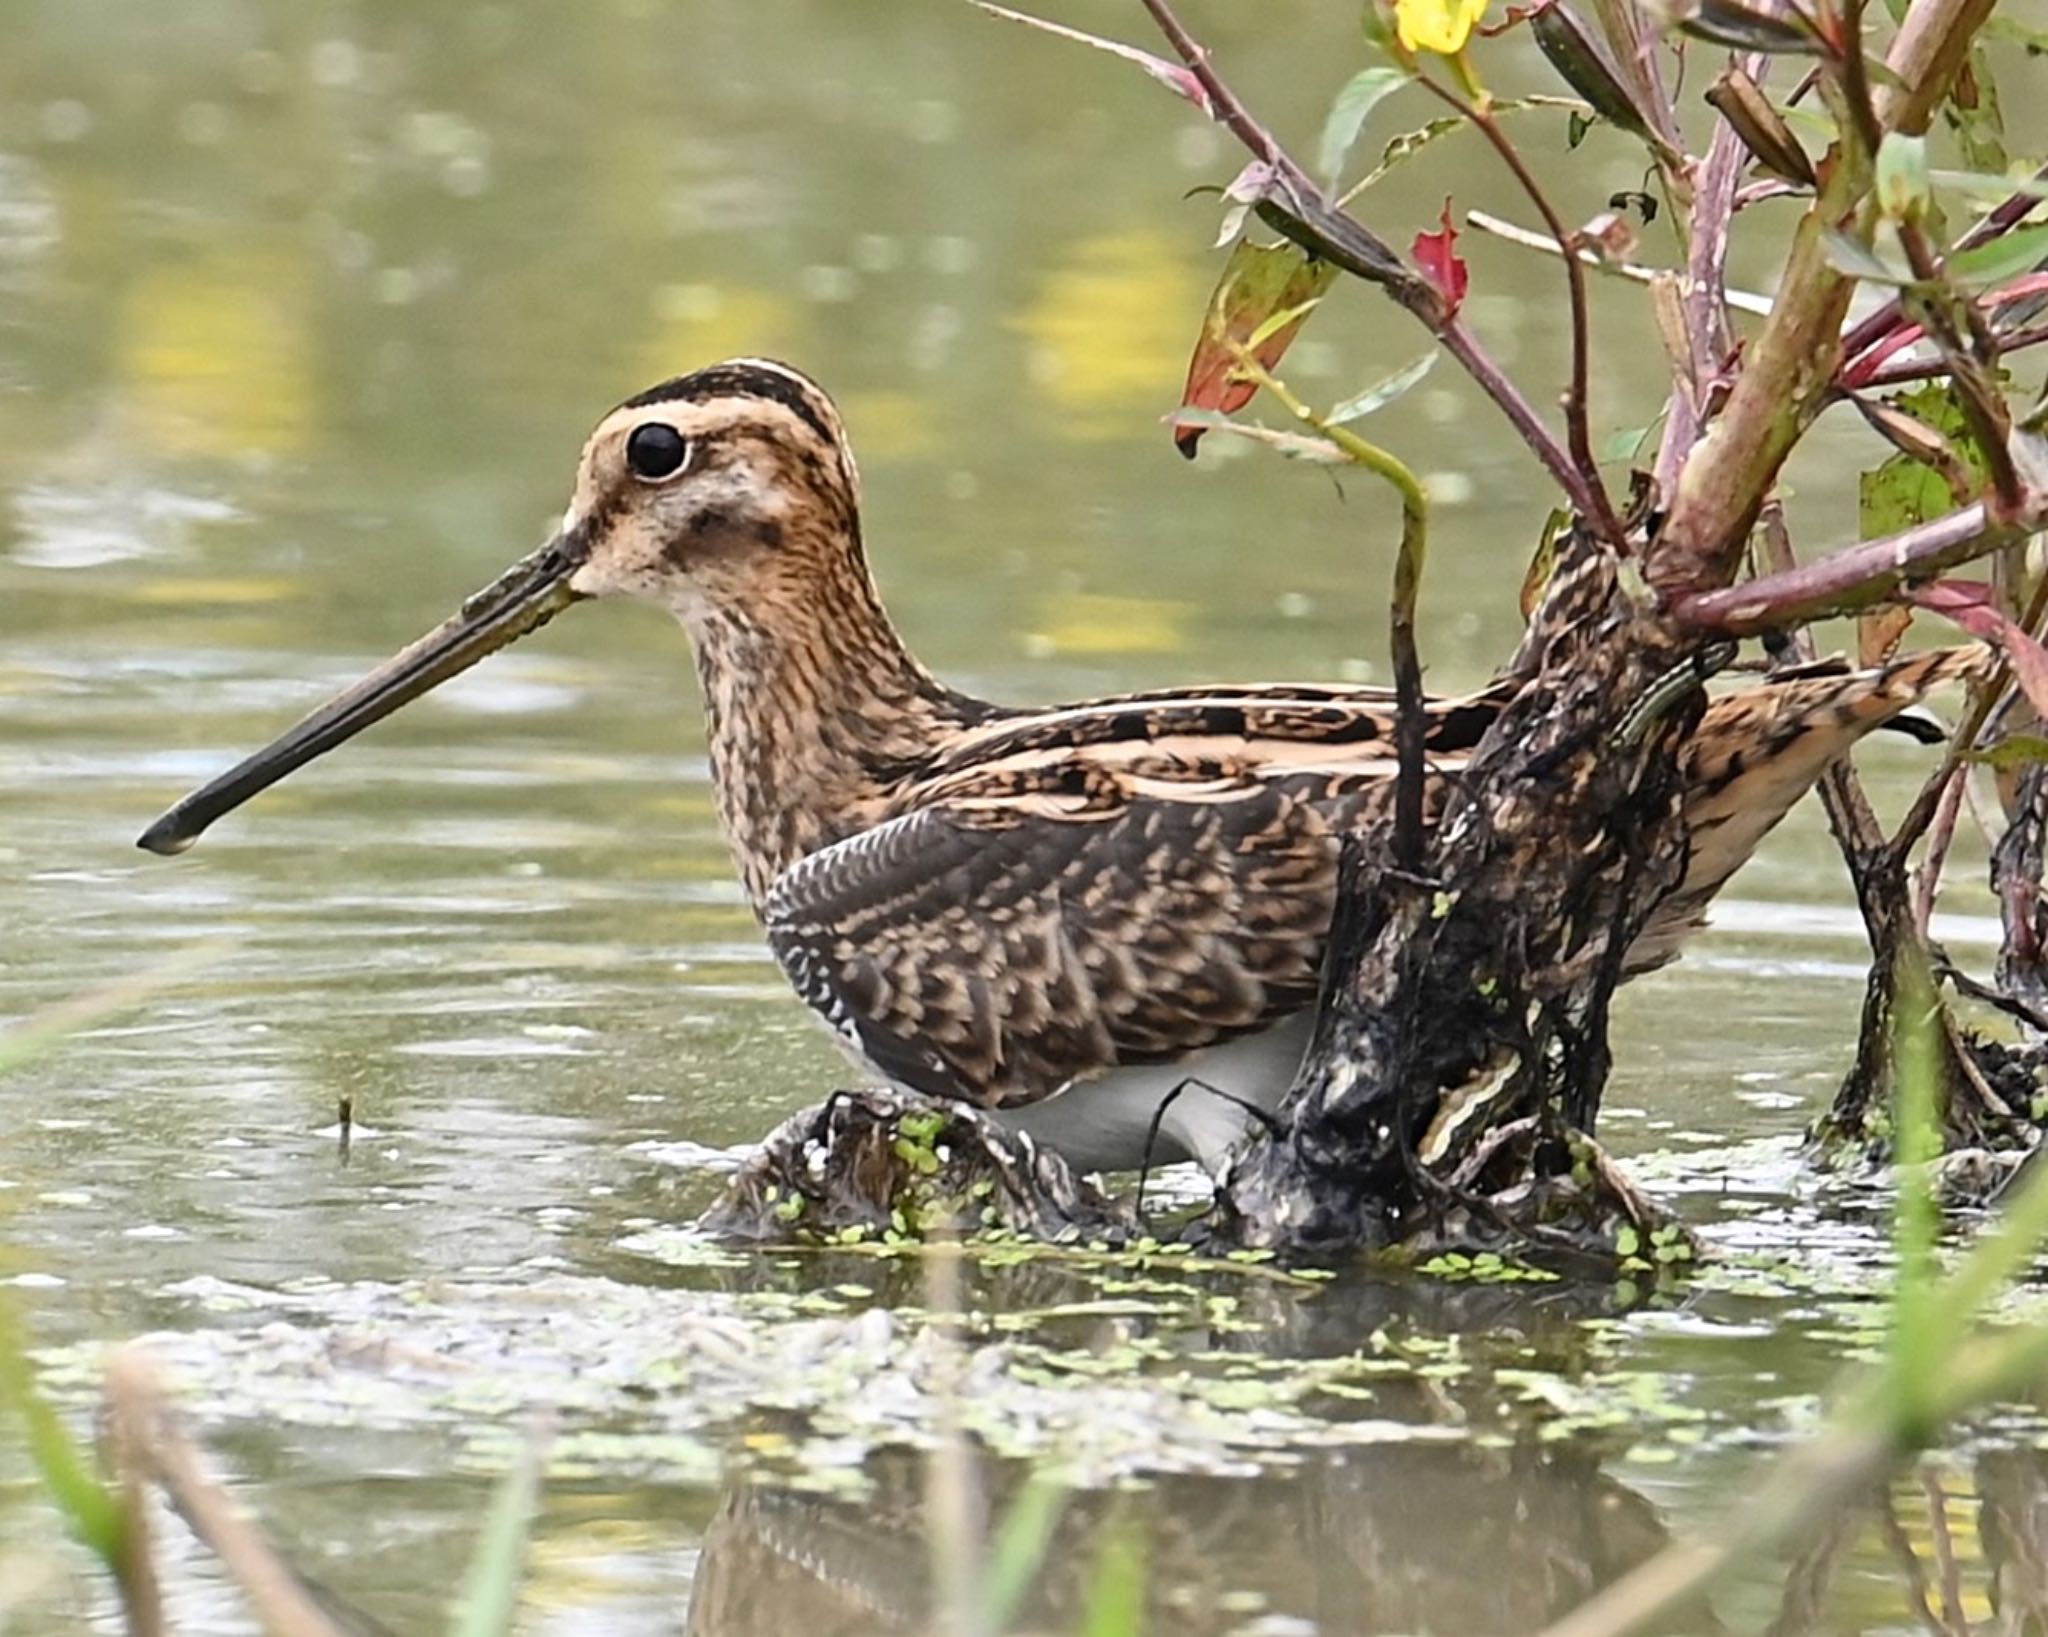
(1062, 914)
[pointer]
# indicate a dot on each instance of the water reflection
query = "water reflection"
(1402, 1539)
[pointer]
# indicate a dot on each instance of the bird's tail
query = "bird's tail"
(1756, 752)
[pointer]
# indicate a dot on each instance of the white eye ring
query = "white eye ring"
(656, 452)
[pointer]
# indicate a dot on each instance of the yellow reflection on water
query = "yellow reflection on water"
(698, 324)
(217, 356)
(1094, 622)
(1111, 321)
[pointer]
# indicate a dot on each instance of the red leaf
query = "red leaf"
(1261, 286)
(1974, 606)
(1437, 255)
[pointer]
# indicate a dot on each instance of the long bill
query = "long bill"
(524, 598)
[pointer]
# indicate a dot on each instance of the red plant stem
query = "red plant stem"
(1864, 371)
(1928, 369)
(1858, 576)
(1578, 431)
(1705, 302)
(1941, 831)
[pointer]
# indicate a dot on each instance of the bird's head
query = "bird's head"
(727, 494)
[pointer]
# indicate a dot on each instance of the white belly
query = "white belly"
(1105, 1124)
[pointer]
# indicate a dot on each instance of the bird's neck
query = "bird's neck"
(816, 711)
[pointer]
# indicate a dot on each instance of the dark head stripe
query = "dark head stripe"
(796, 395)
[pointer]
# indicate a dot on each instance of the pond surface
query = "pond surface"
(303, 314)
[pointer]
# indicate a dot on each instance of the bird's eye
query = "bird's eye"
(656, 451)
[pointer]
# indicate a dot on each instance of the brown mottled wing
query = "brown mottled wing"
(1027, 929)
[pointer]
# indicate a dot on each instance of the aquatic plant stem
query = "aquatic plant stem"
(1411, 726)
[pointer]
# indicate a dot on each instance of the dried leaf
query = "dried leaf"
(1265, 294)
(1724, 22)
(1173, 76)
(1755, 119)
(1582, 62)
(1437, 255)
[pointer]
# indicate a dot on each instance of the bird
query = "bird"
(1101, 921)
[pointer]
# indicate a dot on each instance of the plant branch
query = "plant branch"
(1704, 296)
(1746, 301)
(1298, 210)
(1929, 369)
(1789, 368)
(1578, 433)
(1994, 224)
(1933, 42)
(1858, 576)
(1411, 726)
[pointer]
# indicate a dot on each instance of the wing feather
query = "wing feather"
(1002, 943)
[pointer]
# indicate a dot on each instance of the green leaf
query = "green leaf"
(1362, 93)
(2005, 257)
(90, 1509)
(1274, 323)
(2010, 755)
(1382, 392)
(1903, 190)
(1859, 261)
(1904, 492)
(1972, 111)
(2030, 39)
(1116, 1595)
(1625, 443)
(1409, 143)
(490, 1591)
(1018, 1551)
(1989, 187)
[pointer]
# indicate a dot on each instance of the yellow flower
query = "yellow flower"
(1442, 26)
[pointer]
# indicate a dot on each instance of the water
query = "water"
(302, 316)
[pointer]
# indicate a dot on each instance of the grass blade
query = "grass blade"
(490, 1591)
(1018, 1551)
